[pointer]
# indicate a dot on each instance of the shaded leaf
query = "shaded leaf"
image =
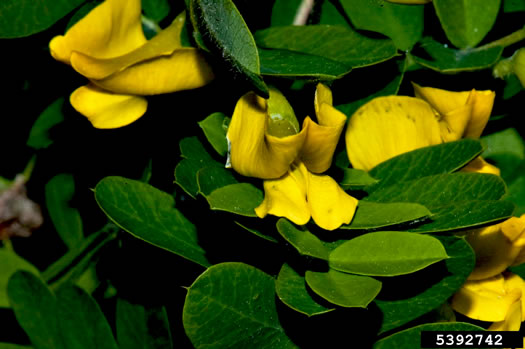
(25, 17)
(513, 6)
(432, 286)
(402, 23)
(156, 10)
(39, 136)
(284, 11)
(337, 43)
(232, 305)
(466, 22)
(213, 177)
(356, 179)
(440, 58)
(375, 215)
(67, 221)
(345, 290)
(507, 141)
(239, 198)
(306, 243)
(257, 233)
(223, 28)
(11, 263)
(291, 290)
(149, 214)
(387, 253)
(214, 128)
(142, 327)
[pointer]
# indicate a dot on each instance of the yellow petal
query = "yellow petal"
(162, 44)
(454, 123)
(286, 196)
(111, 29)
(482, 103)
(253, 152)
(514, 282)
(329, 205)
(321, 139)
(323, 94)
(485, 299)
(442, 100)
(495, 251)
(479, 165)
(389, 126)
(185, 69)
(105, 109)
(512, 321)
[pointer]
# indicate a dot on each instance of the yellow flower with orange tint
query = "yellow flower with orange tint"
(109, 48)
(291, 162)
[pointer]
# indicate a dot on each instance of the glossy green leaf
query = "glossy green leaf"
(11, 263)
(67, 221)
(25, 17)
(441, 58)
(466, 22)
(298, 65)
(411, 338)
(213, 177)
(142, 327)
(156, 10)
(442, 158)
(232, 305)
(430, 287)
(306, 243)
(214, 128)
(149, 214)
(356, 179)
(345, 290)
(402, 23)
(284, 12)
(387, 253)
(457, 200)
(223, 28)
(291, 290)
(337, 43)
(375, 215)
(35, 308)
(331, 15)
(387, 78)
(239, 198)
(195, 157)
(81, 321)
(39, 136)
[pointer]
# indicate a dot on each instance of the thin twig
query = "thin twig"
(303, 12)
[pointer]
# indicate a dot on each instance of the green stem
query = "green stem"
(508, 40)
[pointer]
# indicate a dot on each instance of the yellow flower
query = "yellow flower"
(291, 163)
(109, 48)
(389, 126)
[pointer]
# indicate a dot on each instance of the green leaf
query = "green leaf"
(466, 22)
(142, 327)
(221, 24)
(306, 243)
(356, 179)
(11, 263)
(429, 288)
(291, 290)
(345, 290)
(440, 58)
(456, 200)
(81, 322)
(299, 65)
(507, 141)
(239, 198)
(13, 346)
(195, 157)
(330, 14)
(337, 43)
(442, 158)
(214, 128)
(25, 17)
(257, 233)
(284, 11)
(387, 253)
(35, 308)
(375, 215)
(39, 136)
(402, 23)
(67, 221)
(213, 177)
(156, 10)
(149, 214)
(232, 305)
(411, 338)
(513, 6)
